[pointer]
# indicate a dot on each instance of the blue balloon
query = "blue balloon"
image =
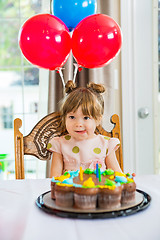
(71, 12)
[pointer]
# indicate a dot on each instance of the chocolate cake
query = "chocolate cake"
(85, 189)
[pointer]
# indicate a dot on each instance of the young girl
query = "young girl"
(81, 113)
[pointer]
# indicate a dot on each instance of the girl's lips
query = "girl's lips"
(81, 132)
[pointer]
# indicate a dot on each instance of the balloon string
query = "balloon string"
(70, 60)
(75, 71)
(70, 66)
(62, 78)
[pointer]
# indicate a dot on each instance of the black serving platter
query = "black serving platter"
(46, 204)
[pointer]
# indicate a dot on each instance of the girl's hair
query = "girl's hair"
(89, 98)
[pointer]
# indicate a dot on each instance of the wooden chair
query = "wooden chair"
(35, 143)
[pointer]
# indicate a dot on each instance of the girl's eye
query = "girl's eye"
(71, 117)
(86, 117)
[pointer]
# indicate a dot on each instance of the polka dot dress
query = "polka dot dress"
(85, 153)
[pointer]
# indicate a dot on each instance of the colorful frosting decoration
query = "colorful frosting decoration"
(110, 182)
(121, 179)
(88, 171)
(63, 177)
(68, 181)
(87, 189)
(89, 183)
(73, 173)
(108, 172)
(114, 179)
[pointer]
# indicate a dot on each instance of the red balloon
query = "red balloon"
(96, 40)
(45, 41)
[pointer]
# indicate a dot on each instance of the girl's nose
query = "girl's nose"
(79, 123)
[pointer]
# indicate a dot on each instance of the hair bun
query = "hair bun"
(70, 86)
(99, 88)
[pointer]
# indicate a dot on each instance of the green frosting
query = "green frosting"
(65, 174)
(128, 174)
(109, 182)
(108, 172)
(88, 171)
(88, 186)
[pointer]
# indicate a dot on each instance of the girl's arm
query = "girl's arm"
(111, 162)
(56, 165)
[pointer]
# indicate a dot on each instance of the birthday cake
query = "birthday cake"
(87, 189)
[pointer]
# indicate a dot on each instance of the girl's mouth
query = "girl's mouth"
(81, 132)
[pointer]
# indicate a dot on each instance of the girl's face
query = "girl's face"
(79, 126)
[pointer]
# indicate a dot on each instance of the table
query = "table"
(21, 219)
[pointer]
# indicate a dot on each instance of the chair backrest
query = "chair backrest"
(35, 143)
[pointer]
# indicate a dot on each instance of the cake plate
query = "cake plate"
(46, 204)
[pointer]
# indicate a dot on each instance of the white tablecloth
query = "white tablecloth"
(20, 218)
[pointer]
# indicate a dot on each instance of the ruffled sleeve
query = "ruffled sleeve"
(54, 145)
(113, 145)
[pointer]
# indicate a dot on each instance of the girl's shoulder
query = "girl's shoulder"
(109, 140)
(55, 144)
(103, 137)
(61, 138)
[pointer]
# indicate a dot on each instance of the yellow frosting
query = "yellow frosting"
(64, 184)
(130, 179)
(63, 177)
(111, 177)
(108, 187)
(120, 174)
(89, 183)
